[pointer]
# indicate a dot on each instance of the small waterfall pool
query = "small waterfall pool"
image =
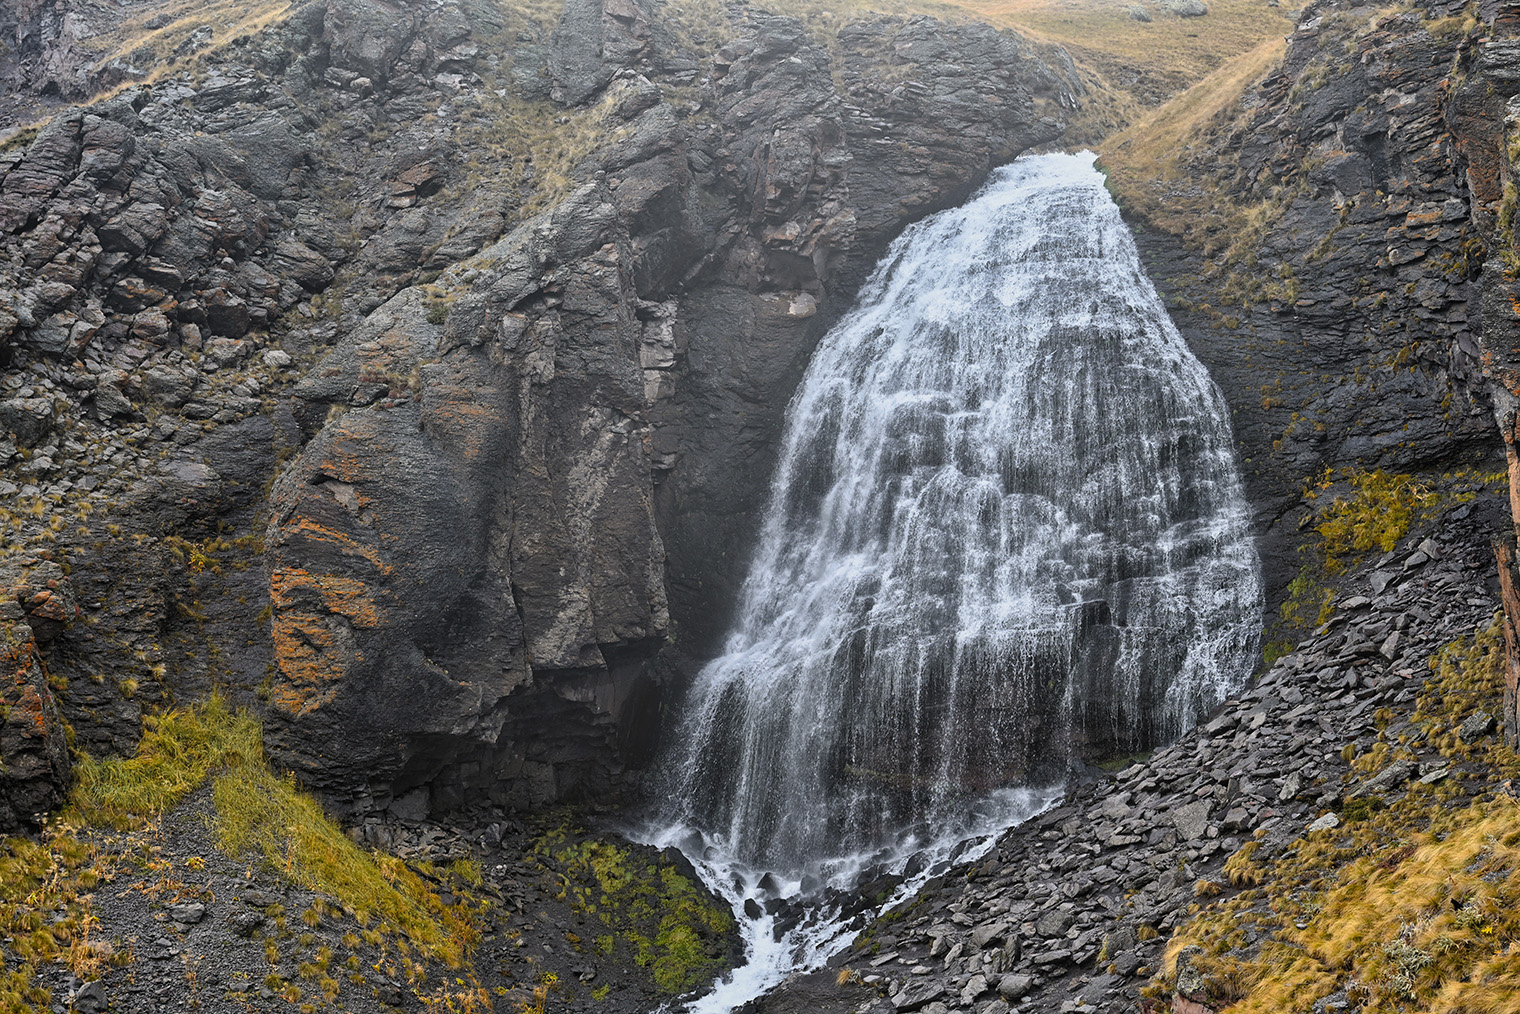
(1006, 531)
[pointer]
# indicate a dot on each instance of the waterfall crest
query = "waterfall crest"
(1006, 524)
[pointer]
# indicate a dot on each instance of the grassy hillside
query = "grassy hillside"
(1145, 162)
(1149, 61)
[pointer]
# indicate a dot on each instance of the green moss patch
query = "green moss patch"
(647, 908)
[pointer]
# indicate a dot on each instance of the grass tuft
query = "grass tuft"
(178, 751)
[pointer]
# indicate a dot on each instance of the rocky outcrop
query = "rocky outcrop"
(1340, 298)
(1386, 334)
(1482, 117)
(36, 604)
(32, 737)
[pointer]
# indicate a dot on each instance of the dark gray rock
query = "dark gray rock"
(90, 998)
(246, 924)
(1014, 986)
(189, 912)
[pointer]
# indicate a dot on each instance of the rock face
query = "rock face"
(479, 329)
(1387, 333)
(475, 568)
(1344, 319)
(32, 738)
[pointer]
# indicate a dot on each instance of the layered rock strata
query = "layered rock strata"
(1333, 271)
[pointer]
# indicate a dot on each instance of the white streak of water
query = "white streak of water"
(1006, 528)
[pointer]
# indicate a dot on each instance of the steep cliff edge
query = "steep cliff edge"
(1337, 242)
(1322, 241)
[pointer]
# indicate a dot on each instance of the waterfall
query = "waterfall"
(1006, 529)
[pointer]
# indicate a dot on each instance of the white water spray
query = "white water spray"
(1006, 529)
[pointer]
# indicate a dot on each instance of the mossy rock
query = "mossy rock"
(647, 907)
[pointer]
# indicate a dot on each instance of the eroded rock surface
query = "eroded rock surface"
(544, 487)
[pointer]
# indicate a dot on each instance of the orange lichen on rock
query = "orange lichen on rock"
(291, 588)
(463, 423)
(298, 702)
(309, 655)
(34, 760)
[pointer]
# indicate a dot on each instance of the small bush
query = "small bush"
(1374, 516)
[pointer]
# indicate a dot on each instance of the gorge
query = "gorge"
(413, 376)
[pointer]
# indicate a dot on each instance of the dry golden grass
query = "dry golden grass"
(257, 814)
(1147, 163)
(178, 21)
(148, 43)
(1412, 906)
(1170, 51)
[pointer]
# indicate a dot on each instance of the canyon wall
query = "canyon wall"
(1350, 271)
(466, 331)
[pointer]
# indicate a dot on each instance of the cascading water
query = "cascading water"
(1006, 529)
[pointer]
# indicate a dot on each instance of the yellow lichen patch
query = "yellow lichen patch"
(1374, 515)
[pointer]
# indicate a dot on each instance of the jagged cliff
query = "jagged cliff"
(479, 326)
(1347, 272)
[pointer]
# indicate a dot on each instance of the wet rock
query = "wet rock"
(1014, 985)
